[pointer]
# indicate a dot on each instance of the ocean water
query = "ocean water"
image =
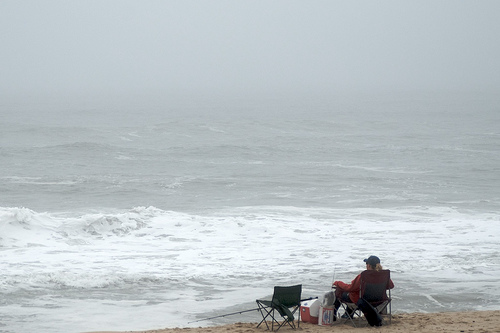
(128, 216)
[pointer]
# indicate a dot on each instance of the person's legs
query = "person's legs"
(344, 297)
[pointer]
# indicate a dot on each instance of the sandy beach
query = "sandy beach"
(474, 321)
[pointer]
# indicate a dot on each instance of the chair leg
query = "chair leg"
(385, 311)
(263, 321)
(263, 310)
(390, 313)
(350, 316)
(269, 313)
(298, 322)
(266, 312)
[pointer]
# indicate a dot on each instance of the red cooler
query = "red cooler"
(309, 311)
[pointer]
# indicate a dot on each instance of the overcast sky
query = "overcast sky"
(247, 47)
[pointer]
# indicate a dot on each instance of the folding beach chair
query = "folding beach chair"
(285, 302)
(374, 304)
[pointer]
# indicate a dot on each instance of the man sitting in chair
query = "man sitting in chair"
(349, 293)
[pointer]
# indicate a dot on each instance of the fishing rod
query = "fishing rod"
(333, 279)
(224, 315)
(239, 312)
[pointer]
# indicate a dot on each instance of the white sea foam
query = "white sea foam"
(38, 181)
(178, 267)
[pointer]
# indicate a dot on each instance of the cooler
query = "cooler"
(309, 311)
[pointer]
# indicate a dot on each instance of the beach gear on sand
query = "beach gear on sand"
(285, 302)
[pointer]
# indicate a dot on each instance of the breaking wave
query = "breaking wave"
(24, 227)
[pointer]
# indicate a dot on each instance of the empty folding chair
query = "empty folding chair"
(285, 302)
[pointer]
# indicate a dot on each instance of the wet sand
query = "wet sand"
(474, 321)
